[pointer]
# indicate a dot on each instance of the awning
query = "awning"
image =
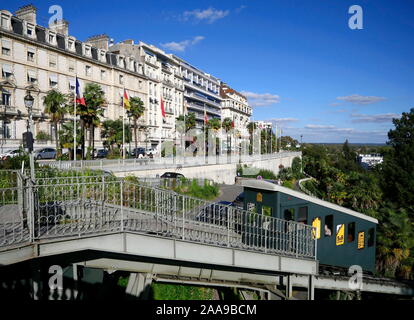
(5, 43)
(53, 78)
(7, 68)
(31, 74)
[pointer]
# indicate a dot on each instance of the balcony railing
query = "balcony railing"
(7, 109)
(195, 96)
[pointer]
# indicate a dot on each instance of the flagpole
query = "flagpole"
(74, 122)
(123, 125)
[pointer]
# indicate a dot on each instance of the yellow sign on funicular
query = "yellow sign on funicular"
(316, 223)
(259, 197)
(361, 240)
(340, 234)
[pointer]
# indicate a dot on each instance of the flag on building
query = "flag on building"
(163, 110)
(205, 116)
(79, 95)
(127, 105)
(232, 123)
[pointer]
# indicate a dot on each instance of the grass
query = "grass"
(164, 291)
(207, 191)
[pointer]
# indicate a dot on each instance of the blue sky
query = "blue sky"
(298, 61)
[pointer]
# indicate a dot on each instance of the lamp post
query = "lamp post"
(28, 102)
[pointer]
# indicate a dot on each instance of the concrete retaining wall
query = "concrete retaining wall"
(219, 173)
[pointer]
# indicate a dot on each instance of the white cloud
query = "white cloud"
(261, 99)
(209, 15)
(182, 45)
(281, 121)
(376, 118)
(358, 99)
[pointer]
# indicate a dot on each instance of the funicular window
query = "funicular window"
(289, 214)
(371, 237)
(303, 215)
(267, 211)
(328, 225)
(351, 232)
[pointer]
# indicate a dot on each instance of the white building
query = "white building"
(40, 59)
(236, 107)
(369, 160)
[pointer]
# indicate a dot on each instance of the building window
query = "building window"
(31, 76)
(6, 98)
(87, 51)
(121, 79)
(6, 71)
(103, 74)
(88, 70)
(303, 214)
(30, 55)
(53, 81)
(29, 31)
(72, 85)
(52, 38)
(52, 61)
(5, 47)
(71, 66)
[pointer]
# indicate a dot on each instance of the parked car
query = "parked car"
(101, 153)
(138, 152)
(172, 175)
(45, 153)
(150, 152)
(10, 154)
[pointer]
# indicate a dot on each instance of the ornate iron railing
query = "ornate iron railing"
(84, 205)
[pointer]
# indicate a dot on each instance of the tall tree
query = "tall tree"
(66, 137)
(112, 133)
(398, 167)
(56, 108)
(189, 120)
(136, 110)
(227, 125)
(89, 114)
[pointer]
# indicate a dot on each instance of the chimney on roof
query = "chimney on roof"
(27, 13)
(60, 26)
(100, 41)
(128, 41)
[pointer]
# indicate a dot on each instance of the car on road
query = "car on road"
(101, 153)
(150, 152)
(45, 153)
(172, 175)
(10, 154)
(138, 152)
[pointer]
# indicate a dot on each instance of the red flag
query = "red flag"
(205, 116)
(162, 109)
(232, 124)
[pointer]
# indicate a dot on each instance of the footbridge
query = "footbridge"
(113, 224)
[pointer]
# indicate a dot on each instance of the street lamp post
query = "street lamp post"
(28, 102)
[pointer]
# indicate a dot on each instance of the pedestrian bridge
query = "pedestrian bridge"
(127, 221)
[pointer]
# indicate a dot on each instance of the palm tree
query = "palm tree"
(215, 125)
(66, 137)
(55, 106)
(136, 110)
(227, 125)
(89, 114)
(251, 126)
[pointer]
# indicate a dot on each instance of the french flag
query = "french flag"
(79, 95)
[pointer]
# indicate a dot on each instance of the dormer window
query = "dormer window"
(4, 21)
(87, 51)
(52, 38)
(71, 45)
(102, 55)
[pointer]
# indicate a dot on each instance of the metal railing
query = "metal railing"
(83, 205)
(164, 162)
